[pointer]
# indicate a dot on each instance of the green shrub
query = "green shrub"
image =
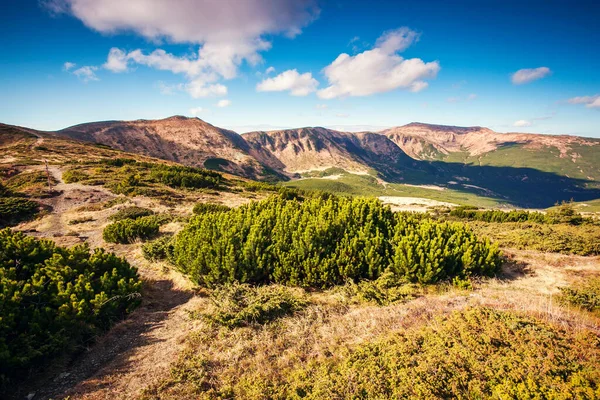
(184, 177)
(132, 212)
(16, 209)
(81, 220)
(430, 252)
(383, 291)
(241, 304)
(130, 230)
(475, 354)
(586, 295)
(201, 208)
(74, 175)
(158, 249)
(54, 299)
(323, 241)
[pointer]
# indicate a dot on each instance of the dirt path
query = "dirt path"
(136, 351)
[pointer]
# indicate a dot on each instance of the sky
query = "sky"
(512, 66)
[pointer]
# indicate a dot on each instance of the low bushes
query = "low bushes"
(53, 299)
(73, 176)
(16, 209)
(475, 354)
(201, 208)
(158, 249)
(323, 241)
(586, 295)
(241, 305)
(132, 212)
(129, 230)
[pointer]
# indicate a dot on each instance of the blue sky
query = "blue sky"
(247, 64)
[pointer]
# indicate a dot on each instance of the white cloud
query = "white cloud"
(270, 70)
(223, 103)
(116, 61)
(228, 32)
(198, 88)
(86, 74)
(342, 115)
(589, 101)
(380, 69)
(472, 96)
(522, 123)
(529, 75)
(196, 111)
(321, 106)
(298, 84)
(68, 66)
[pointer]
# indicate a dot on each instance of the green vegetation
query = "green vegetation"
(242, 305)
(327, 240)
(586, 295)
(129, 230)
(54, 299)
(582, 240)
(81, 220)
(132, 178)
(561, 214)
(14, 210)
(158, 249)
(479, 353)
(132, 212)
(383, 291)
(201, 208)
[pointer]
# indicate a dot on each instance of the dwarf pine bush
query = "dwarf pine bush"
(53, 299)
(129, 230)
(326, 240)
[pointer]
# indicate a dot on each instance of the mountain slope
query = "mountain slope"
(571, 156)
(188, 141)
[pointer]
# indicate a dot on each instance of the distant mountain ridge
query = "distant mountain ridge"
(474, 159)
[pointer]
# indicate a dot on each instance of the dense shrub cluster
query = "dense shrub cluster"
(476, 354)
(201, 208)
(132, 212)
(16, 209)
(129, 230)
(53, 298)
(586, 295)
(323, 241)
(184, 177)
(241, 304)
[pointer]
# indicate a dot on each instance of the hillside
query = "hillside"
(515, 169)
(189, 141)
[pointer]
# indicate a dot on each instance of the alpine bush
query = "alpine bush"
(201, 208)
(324, 241)
(129, 230)
(16, 209)
(132, 212)
(53, 299)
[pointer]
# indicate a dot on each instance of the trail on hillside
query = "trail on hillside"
(135, 351)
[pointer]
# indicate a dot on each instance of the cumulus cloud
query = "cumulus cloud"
(270, 70)
(196, 111)
(589, 101)
(523, 76)
(86, 74)
(223, 103)
(297, 84)
(380, 69)
(228, 32)
(116, 61)
(68, 66)
(522, 123)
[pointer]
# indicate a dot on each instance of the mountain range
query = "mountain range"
(522, 169)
